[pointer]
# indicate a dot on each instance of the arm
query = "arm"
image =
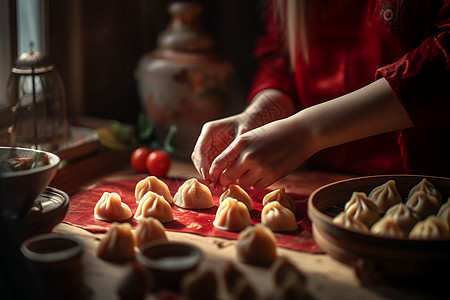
(263, 155)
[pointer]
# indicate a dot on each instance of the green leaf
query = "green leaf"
(170, 140)
(120, 132)
(144, 127)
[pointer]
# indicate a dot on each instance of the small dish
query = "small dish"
(168, 262)
(57, 260)
(377, 259)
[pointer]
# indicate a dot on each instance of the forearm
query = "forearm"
(267, 106)
(369, 111)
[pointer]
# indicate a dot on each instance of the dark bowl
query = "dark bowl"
(169, 262)
(19, 189)
(377, 259)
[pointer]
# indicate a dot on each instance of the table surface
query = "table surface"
(326, 277)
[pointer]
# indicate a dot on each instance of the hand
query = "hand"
(261, 156)
(216, 136)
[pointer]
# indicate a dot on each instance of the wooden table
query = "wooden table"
(326, 277)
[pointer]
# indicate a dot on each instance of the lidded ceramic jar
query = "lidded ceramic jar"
(183, 82)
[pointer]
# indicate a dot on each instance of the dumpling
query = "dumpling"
(154, 205)
(148, 230)
(404, 215)
(193, 194)
(432, 228)
(444, 212)
(257, 245)
(362, 208)
(385, 196)
(387, 227)
(280, 196)
(111, 208)
(282, 268)
(278, 218)
(232, 215)
(427, 187)
(118, 244)
(238, 193)
(423, 204)
(344, 220)
(152, 184)
(200, 284)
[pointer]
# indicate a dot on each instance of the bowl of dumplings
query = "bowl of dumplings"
(390, 228)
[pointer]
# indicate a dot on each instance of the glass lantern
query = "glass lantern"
(37, 103)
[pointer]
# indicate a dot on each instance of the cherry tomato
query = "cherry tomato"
(138, 158)
(158, 163)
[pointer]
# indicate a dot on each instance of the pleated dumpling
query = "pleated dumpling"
(362, 208)
(238, 193)
(385, 196)
(353, 224)
(232, 215)
(404, 215)
(154, 205)
(432, 228)
(423, 204)
(118, 244)
(444, 212)
(111, 208)
(428, 188)
(148, 230)
(152, 184)
(278, 218)
(257, 245)
(193, 194)
(387, 227)
(280, 196)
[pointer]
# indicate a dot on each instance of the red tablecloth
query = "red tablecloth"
(81, 213)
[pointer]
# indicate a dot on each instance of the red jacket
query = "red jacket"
(352, 43)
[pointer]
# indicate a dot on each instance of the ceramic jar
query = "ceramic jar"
(183, 82)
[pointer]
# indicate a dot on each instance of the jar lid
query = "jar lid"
(32, 62)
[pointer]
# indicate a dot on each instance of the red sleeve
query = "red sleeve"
(421, 81)
(274, 66)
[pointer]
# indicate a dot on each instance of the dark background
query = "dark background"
(96, 46)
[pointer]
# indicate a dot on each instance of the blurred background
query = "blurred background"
(96, 46)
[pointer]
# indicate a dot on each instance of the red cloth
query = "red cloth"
(351, 43)
(81, 214)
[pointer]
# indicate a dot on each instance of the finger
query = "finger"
(232, 174)
(248, 179)
(224, 160)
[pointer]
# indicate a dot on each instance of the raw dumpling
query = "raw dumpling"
(111, 208)
(152, 184)
(118, 244)
(387, 227)
(280, 196)
(344, 220)
(404, 215)
(257, 245)
(444, 212)
(278, 218)
(362, 208)
(423, 204)
(385, 196)
(432, 228)
(200, 284)
(232, 215)
(148, 230)
(426, 187)
(154, 205)
(193, 195)
(238, 193)
(282, 268)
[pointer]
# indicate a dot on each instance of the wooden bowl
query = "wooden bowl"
(377, 259)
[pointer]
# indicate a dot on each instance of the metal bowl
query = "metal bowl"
(19, 189)
(377, 259)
